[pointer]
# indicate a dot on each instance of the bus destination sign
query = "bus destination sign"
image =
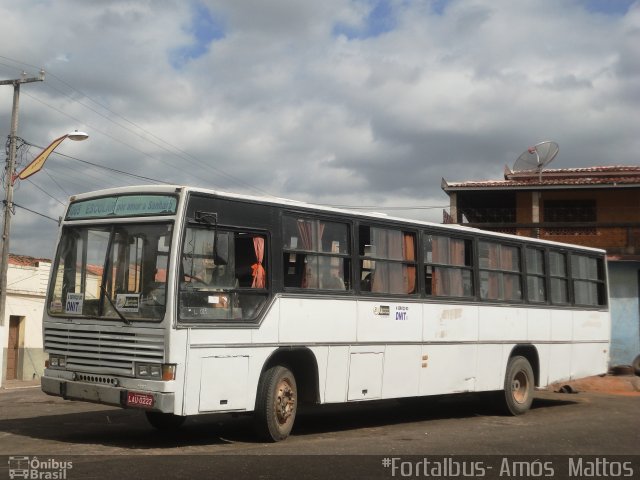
(123, 206)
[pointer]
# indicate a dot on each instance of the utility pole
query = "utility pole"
(8, 183)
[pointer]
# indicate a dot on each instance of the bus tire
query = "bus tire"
(276, 404)
(518, 386)
(164, 421)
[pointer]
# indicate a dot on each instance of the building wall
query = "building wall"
(624, 288)
(613, 205)
(26, 290)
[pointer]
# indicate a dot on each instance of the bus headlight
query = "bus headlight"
(57, 361)
(155, 371)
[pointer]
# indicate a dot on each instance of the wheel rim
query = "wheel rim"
(520, 387)
(285, 401)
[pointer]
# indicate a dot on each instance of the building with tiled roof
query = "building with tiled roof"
(21, 331)
(592, 177)
(592, 206)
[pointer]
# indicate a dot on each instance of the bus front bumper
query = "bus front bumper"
(105, 394)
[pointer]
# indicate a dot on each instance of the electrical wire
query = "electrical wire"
(34, 212)
(45, 192)
(115, 170)
(162, 145)
(181, 153)
(382, 207)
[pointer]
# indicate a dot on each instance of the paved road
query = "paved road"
(33, 424)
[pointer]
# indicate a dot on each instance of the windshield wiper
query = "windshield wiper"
(122, 317)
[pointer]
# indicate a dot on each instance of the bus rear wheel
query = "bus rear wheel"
(165, 421)
(276, 404)
(518, 386)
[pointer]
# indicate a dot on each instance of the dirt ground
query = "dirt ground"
(612, 384)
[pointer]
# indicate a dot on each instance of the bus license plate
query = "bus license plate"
(139, 399)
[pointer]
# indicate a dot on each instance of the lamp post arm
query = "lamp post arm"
(37, 163)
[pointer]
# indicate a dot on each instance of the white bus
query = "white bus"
(182, 301)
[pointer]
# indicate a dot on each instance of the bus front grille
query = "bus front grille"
(104, 350)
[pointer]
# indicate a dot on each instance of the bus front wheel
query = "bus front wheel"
(276, 404)
(518, 386)
(165, 421)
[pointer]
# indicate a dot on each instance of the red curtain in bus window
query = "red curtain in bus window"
(455, 274)
(258, 272)
(320, 233)
(310, 242)
(305, 229)
(437, 247)
(494, 289)
(507, 262)
(410, 270)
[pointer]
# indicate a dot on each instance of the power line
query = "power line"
(381, 207)
(54, 181)
(34, 212)
(45, 192)
(121, 172)
(180, 153)
(173, 148)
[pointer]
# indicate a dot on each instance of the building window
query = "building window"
(536, 282)
(500, 277)
(570, 212)
(559, 280)
(449, 266)
(316, 254)
(387, 260)
(587, 274)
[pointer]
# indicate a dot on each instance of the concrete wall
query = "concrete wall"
(625, 311)
(26, 291)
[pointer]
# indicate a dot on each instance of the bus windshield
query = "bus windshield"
(99, 269)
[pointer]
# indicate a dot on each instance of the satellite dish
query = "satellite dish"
(537, 157)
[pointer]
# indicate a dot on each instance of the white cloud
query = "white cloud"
(278, 99)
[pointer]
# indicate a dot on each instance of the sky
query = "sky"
(361, 103)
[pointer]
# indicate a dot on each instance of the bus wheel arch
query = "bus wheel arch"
(521, 376)
(304, 366)
(288, 377)
(531, 354)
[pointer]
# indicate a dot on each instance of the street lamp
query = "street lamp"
(38, 162)
(34, 167)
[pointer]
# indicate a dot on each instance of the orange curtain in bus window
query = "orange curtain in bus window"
(380, 276)
(508, 261)
(410, 255)
(305, 229)
(258, 272)
(439, 254)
